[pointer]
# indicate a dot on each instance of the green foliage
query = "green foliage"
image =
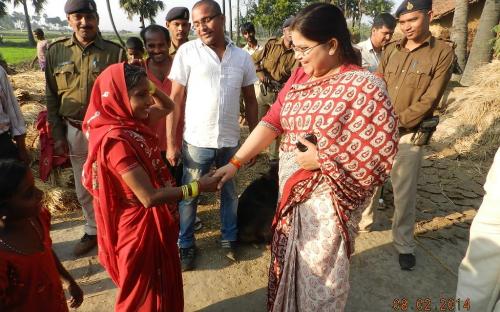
(270, 14)
(146, 9)
(374, 7)
(3, 8)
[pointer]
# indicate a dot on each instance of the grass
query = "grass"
(16, 55)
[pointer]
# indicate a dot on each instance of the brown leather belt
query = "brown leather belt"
(74, 123)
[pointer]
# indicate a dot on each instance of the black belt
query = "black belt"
(74, 123)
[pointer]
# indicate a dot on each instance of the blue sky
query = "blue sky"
(56, 8)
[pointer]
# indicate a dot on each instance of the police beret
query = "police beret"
(408, 6)
(288, 21)
(81, 6)
(177, 13)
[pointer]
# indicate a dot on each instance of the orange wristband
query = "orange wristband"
(236, 162)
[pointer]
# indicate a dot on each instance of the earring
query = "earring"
(331, 52)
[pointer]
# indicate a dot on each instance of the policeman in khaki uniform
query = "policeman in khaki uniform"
(177, 23)
(416, 69)
(274, 65)
(73, 64)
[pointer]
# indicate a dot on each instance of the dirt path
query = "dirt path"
(449, 193)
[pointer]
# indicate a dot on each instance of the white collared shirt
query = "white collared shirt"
(213, 92)
(250, 50)
(11, 118)
(370, 57)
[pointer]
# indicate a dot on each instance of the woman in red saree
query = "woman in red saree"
(322, 190)
(134, 197)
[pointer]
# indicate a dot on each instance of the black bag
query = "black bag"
(425, 131)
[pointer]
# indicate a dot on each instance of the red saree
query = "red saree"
(137, 246)
(31, 282)
(356, 128)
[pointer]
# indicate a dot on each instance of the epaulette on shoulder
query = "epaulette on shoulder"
(451, 43)
(58, 40)
(388, 44)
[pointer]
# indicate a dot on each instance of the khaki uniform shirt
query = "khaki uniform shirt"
(276, 60)
(173, 48)
(70, 75)
(416, 80)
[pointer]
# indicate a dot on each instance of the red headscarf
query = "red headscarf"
(134, 243)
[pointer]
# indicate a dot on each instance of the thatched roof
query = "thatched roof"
(445, 7)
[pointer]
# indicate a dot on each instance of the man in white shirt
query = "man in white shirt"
(248, 32)
(12, 125)
(381, 33)
(214, 72)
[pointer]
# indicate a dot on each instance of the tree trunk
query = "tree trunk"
(237, 22)
(142, 22)
(28, 24)
(480, 52)
(113, 24)
(459, 33)
(230, 20)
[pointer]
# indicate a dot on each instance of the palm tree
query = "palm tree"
(459, 33)
(113, 24)
(3, 8)
(38, 5)
(480, 51)
(146, 9)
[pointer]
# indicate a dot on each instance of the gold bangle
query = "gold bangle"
(185, 194)
(195, 187)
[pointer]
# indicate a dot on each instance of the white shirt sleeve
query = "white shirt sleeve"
(249, 75)
(180, 67)
(10, 112)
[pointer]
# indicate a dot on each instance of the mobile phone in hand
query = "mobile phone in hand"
(309, 137)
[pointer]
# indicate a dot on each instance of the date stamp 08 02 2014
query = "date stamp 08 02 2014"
(426, 304)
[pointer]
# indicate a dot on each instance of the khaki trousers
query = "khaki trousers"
(78, 149)
(369, 214)
(404, 176)
(264, 102)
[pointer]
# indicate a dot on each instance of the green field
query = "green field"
(16, 55)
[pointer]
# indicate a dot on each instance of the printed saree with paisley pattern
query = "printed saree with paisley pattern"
(356, 129)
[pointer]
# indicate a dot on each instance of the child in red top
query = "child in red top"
(30, 271)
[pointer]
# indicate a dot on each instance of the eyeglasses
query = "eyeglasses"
(301, 52)
(204, 21)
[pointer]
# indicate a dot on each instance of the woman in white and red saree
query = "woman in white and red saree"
(322, 190)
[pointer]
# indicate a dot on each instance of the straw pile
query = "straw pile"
(59, 190)
(471, 123)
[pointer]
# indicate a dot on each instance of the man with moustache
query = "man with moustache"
(214, 72)
(417, 69)
(157, 43)
(381, 33)
(73, 64)
(177, 22)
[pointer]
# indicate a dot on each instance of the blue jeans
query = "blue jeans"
(197, 162)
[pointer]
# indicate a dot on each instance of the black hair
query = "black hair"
(321, 22)
(155, 28)
(384, 19)
(247, 28)
(211, 3)
(13, 172)
(39, 32)
(133, 74)
(135, 43)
